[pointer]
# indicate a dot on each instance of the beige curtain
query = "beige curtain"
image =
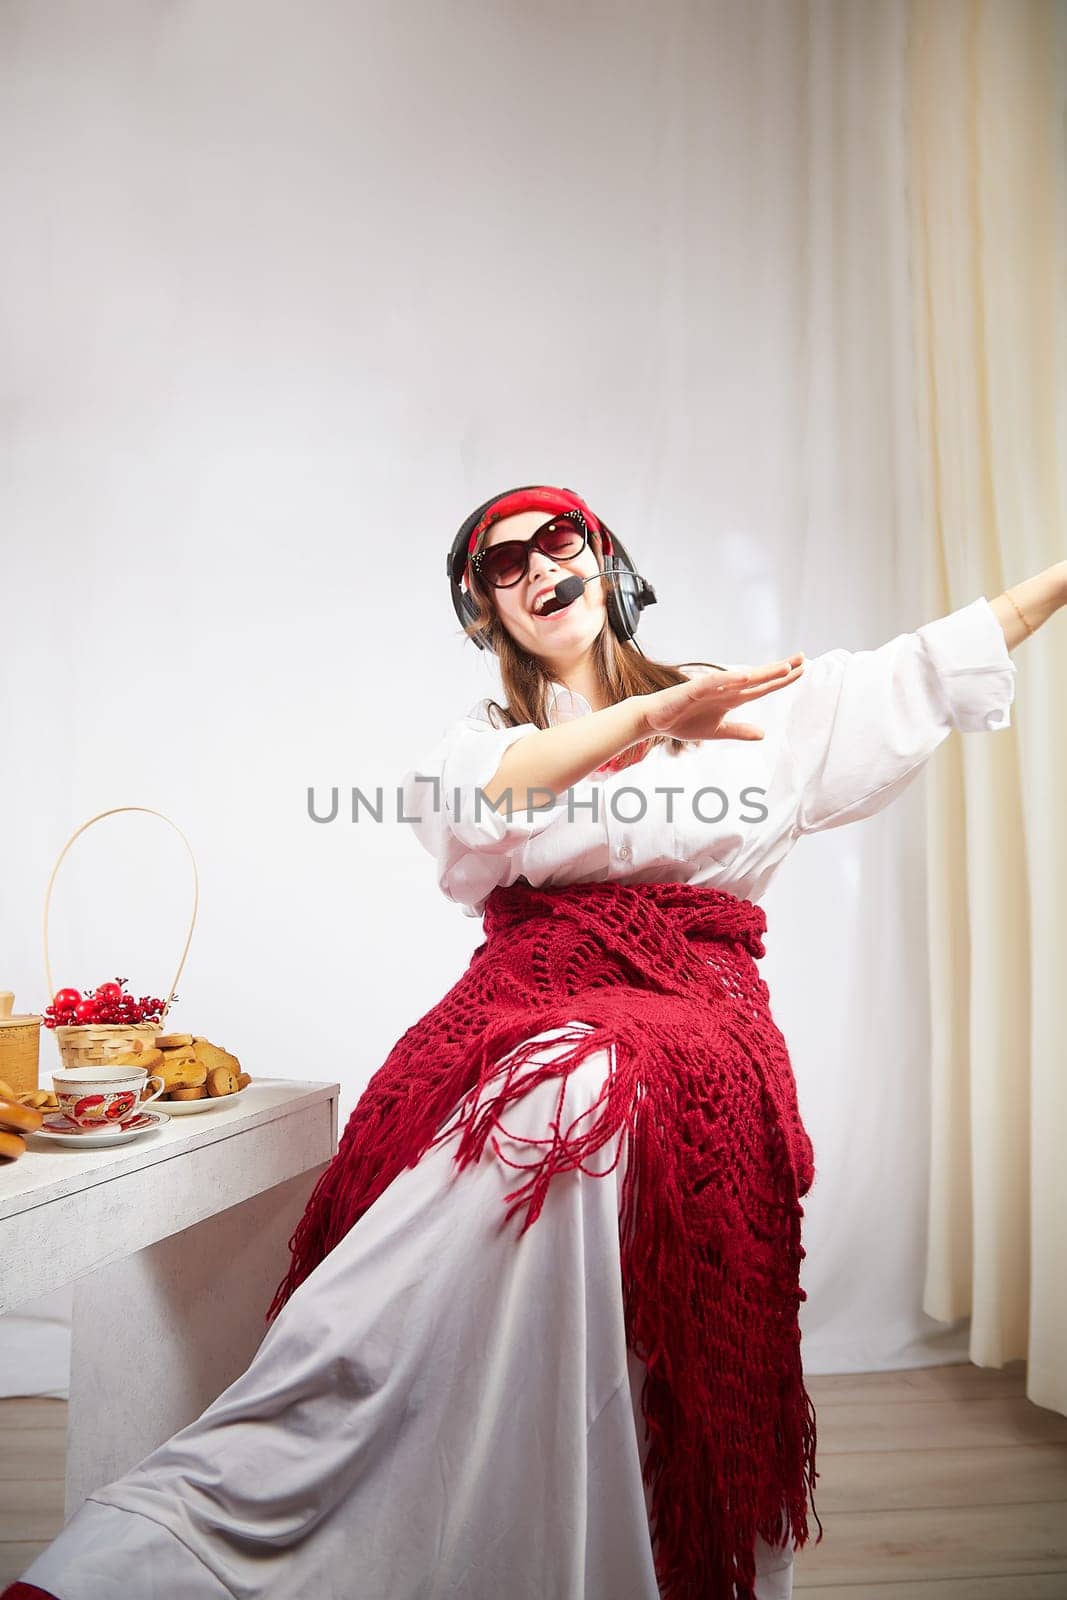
(987, 89)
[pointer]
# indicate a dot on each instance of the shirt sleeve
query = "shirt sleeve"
(860, 725)
(444, 800)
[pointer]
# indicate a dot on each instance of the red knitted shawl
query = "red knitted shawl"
(711, 1250)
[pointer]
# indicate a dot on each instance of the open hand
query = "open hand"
(695, 709)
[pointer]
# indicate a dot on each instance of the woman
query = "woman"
(607, 1403)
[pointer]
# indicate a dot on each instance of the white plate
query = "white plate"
(189, 1108)
(92, 1139)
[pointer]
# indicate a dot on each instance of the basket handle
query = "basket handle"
(196, 894)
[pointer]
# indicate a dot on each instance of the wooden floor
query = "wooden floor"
(940, 1484)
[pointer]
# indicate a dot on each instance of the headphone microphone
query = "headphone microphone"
(567, 591)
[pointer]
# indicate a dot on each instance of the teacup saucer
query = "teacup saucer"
(58, 1129)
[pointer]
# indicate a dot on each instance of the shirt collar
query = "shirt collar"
(564, 705)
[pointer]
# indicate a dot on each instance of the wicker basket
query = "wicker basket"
(93, 1044)
(20, 1046)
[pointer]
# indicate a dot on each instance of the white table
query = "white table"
(174, 1244)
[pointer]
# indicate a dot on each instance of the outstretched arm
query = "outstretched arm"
(860, 725)
(1034, 602)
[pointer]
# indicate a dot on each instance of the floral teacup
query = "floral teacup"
(101, 1097)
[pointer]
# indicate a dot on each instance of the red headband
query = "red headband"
(544, 498)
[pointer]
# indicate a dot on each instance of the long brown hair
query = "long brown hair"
(621, 670)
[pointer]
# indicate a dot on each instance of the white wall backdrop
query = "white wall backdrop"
(286, 292)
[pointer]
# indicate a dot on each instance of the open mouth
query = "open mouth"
(548, 606)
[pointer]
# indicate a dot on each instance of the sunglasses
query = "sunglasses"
(505, 564)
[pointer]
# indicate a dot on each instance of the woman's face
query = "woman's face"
(566, 637)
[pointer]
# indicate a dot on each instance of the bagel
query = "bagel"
(18, 1118)
(11, 1145)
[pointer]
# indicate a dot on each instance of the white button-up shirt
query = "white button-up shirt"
(839, 744)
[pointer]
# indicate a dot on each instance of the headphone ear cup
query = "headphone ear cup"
(624, 607)
(627, 592)
(613, 601)
(467, 610)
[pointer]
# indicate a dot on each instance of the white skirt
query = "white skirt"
(442, 1411)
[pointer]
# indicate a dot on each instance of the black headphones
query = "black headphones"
(627, 593)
